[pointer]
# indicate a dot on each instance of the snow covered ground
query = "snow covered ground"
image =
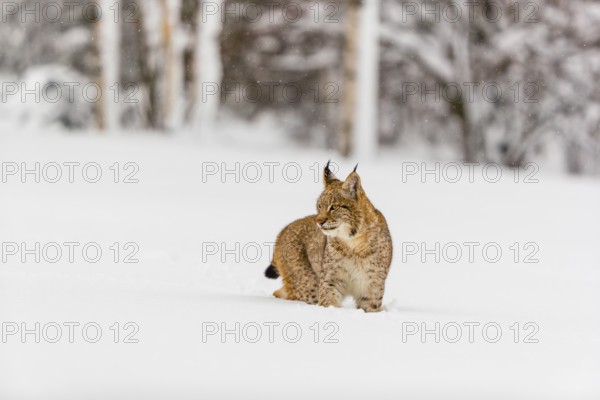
(203, 241)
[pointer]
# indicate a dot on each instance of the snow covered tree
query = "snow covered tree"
(505, 80)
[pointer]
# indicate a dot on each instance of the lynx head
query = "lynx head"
(338, 208)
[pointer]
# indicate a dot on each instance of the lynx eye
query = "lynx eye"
(333, 207)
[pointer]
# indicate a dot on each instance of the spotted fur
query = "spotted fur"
(343, 250)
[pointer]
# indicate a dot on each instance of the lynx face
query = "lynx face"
(338, 211)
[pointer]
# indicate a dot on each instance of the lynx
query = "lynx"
(343, 250)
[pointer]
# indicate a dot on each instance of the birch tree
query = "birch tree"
(349, 90)
(209, 67)
(190, 19)
(108, 30)
(366, 132)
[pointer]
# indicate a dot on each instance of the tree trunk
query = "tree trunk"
(464, 108)
(366, 131)
(148, 75)
(210, 68)
(189, 18)
(168, 97)
(470, 148)
(108, 38)
(99, 108)
(349, 91)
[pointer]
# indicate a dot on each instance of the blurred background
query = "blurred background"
(480, 81)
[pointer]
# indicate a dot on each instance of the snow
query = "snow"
(176, 290)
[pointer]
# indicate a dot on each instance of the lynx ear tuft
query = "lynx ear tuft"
(356, 166)
(352, 183)
(328, 176)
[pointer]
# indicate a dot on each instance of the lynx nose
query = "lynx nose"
(320, 221)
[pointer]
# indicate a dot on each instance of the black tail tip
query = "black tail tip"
(271, 272)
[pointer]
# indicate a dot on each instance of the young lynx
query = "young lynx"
(344, 250)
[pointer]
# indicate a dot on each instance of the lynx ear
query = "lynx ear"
(352, 183)
(328, 176)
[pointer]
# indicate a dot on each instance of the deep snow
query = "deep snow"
(177, 290)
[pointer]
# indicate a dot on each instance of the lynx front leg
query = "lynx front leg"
(333, 279)
(332, 287)
(329, 294)
(371, 300)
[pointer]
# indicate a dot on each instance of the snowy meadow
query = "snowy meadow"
(152, 151)
(147, 281)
